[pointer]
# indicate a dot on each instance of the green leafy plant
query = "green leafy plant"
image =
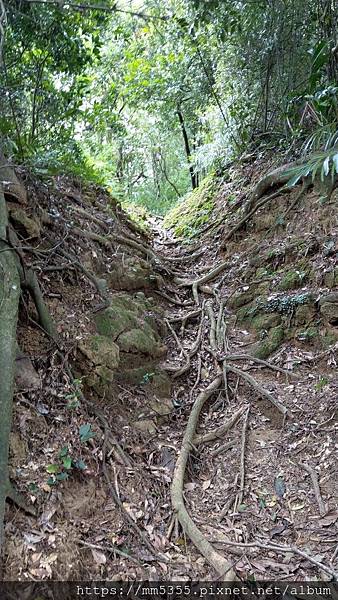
(147, 377)
(86, 433)
(323, 381)
(324, 164)
(61, 470)
(73, 399)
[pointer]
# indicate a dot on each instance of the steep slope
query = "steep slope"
(188, 391)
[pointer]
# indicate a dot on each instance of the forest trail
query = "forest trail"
(184, 424)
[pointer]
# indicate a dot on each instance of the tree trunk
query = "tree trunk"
(9, 305)
(193, 176)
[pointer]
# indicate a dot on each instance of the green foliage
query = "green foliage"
(86, 433)
(150, 106)
(322, 164)
(323, 381)
(62, 469)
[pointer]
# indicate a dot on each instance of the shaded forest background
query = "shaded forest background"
(149, 96)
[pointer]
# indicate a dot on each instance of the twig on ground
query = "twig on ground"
(280, 549)
(242, 461)
(109, 549)
(314, 478)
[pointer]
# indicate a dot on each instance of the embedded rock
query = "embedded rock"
(329, 308)
(131, 274)
(269, 344)
(101, 351)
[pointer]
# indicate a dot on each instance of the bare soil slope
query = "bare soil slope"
(194, 376)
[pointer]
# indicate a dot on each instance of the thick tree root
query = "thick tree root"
(109, 240)
(250, 214)
(30, 281)
(279, 176)
(216, 560)
(207, 277)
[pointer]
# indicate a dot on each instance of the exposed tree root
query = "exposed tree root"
(186, 317)
(250, 214)
(301, 193)
(185, 258)
(207, 277)
(99, 284)
(173, 300)
(279, 176)
(260, 361)
(216, 560)
(30, 281)
(258, 388)
(109, 240)
(91, 218)
(178, 371)
(220, 431)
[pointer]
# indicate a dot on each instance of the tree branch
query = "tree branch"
(100, 7)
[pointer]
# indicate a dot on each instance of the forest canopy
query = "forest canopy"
(149, 96)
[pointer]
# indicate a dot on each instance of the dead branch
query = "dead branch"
(110, 549)
(242, 461)
(314, 478)
(280, 549)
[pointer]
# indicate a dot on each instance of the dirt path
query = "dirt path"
(259, 472)
(228, 470)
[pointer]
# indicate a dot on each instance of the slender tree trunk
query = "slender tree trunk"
(9, 304)
(193, 176)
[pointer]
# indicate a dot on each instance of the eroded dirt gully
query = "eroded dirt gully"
(184, 424)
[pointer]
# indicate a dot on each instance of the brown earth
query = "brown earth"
(128, 341)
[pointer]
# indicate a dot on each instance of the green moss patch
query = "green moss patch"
(269, 344)
(292, 279)
(194, 210)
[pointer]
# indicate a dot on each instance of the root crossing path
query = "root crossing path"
(219, 461)
(243, 487)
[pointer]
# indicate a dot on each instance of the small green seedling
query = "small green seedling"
(323, 381)
(86, 433)
(147, 377)
(61, 470)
